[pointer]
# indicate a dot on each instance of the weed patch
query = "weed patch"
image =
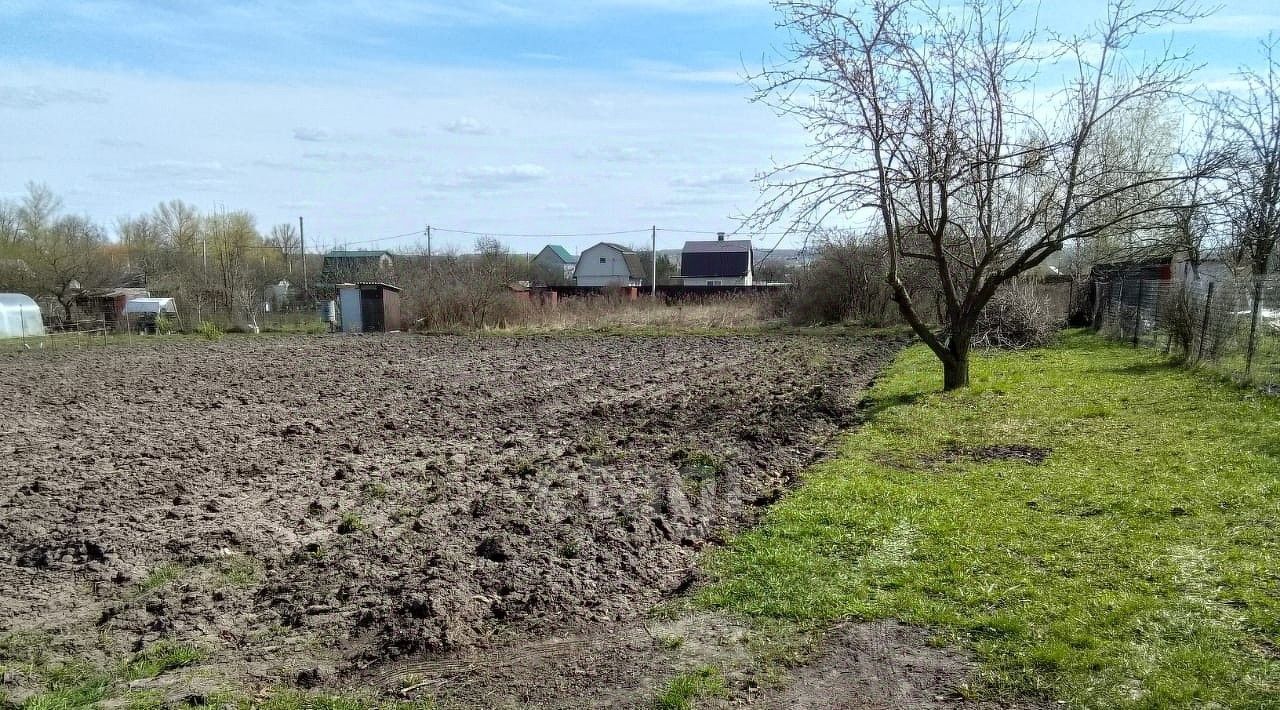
(684, 689)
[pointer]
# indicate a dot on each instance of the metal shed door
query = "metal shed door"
(371, 311)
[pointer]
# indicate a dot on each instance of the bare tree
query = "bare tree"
(1251, 122)
(10, 232)
(177, 224)
(144, 245)
(285, 237)
(1199, 219)
(230, 237)
(924, 118)
(38, 209)
(68, 258)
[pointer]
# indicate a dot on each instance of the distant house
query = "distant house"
(554, 265)
(607, 264)
(347, 266)
(723, 262)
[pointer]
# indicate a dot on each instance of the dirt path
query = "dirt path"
(317, 509)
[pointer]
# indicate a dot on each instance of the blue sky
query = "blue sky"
(372, 119)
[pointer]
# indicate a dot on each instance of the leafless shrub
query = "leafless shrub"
(1019, 316)
(468, 291)
(1178, 319)
(845, 282)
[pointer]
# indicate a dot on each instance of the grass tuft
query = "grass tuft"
(684, 689)
(159, 577)
(160, 657)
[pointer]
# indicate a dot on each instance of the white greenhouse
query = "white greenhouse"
(19, 317)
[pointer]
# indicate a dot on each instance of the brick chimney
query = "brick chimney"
(719, 236)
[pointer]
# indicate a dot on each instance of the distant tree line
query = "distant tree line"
(217, 265)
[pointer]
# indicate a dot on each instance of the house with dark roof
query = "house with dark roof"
(723, 262)
(607, 264)
(554, 266)
(352, 266)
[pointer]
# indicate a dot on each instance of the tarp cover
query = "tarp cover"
(150, 305)
(19, 316)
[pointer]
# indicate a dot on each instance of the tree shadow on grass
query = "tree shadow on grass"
(1148, 368)
(871, 407)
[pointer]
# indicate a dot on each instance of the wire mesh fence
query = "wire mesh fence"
(1229, 326)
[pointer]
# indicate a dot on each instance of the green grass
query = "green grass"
(683, 690)
(1137, 567)
(78, 685)
(239, 570)
(160, 657)
(351, 523)
(159, 577)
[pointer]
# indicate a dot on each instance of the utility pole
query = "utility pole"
(653, 246)
(428, 232)
(302, 249)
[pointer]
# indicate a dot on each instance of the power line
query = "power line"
(564, 235)
(727, 234)
(572, 235)
(386, 239)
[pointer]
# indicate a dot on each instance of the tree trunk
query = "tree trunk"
(955, 372)
(955, 365)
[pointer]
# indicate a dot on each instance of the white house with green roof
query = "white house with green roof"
(554, 265)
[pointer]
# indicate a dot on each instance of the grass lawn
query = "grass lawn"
(1138, 566)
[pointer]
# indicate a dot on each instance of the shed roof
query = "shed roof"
(715, 246)
(357, 254)
(151, 305)
(116, 293)
(371, 284)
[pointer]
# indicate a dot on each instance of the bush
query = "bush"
(463, 291)
(846, 282)
(1017, 317)
(209, 330)
(1178, 319)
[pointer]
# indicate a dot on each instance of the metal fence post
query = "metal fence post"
(1204, 322)
(1137, 312)
(1119, 310)
(1253, 326)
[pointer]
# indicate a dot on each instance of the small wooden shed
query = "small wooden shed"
(369, 307)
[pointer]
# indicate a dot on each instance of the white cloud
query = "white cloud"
(491, 178)
(524, 172)
(466, 126)
(1252, 24)
(318, 135)
(618, 154)
(199, 176)
(119, 143)
(34, 96)
(726, 178)
(669, 71)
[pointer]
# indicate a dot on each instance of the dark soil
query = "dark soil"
(309, 510)
(1033, 455)
(885, 666)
